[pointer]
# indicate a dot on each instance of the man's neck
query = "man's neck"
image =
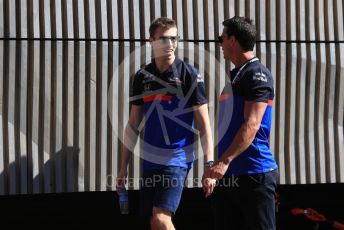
(162, 63)
(243, 58)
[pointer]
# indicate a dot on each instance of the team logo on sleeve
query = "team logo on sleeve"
(260, 77)
(199, 78)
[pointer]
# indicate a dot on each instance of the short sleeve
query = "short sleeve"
(259, 86)
(198, 96)
(136, 90)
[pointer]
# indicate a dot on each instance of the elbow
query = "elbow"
(132, 128)
(253, 127)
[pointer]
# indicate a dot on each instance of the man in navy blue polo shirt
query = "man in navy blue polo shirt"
(167, 98)
(244, 197)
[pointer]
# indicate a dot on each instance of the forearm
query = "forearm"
(208, 155)
(241, 142)
(203, 125)
(207, 145)
(129, 142)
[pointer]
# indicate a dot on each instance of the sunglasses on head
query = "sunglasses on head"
(166, 39)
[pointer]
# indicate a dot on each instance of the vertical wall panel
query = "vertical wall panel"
(2, 180)
(23, 10)
(53, 18)
(81, 19)
(58, 152)
(163, 8)
(87, 115)
(17, 113)
(300, 114)
(35, 118)
(104, 94)
(29, 129)
(47, 18)
(93, 116)
(109, 114)
(12, 18)
(46, 101)
(75, 20)
(99, 63)
(71, 152)
(2, 12)
(310, 70)
(23, 119)
(119, 82)
(80, 108)
(58, 15)
(5, 137)
(52, 126)
(338, 9)
(329, 93)
(11, 102)
(41, 98)
(64, 17)
(41, 117)
(319, 94)
(18, 18)
(131, 167)
(77, 121)
(113, 92)
(98, 107)
(69, 6)
(36, 19)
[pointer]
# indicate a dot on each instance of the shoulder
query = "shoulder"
(191, 69)
(143, 72)
(192, 73)
(258, 73)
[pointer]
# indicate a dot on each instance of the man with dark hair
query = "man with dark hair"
(244, 197)
(170, 95)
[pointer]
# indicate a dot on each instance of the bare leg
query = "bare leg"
(161, 219)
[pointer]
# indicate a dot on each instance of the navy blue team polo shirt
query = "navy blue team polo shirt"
(168, 99)
(252, 83)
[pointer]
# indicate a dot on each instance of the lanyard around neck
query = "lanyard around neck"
(236, 79)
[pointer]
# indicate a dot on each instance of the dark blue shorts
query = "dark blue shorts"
(162, 189)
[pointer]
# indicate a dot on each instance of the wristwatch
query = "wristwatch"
(209, 164)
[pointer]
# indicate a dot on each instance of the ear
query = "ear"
(232, 40)
(150, 40)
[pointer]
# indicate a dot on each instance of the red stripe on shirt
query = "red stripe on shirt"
(224, 96)
(157, 97)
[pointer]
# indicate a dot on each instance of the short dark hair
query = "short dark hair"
(243, 30)
(163, 22)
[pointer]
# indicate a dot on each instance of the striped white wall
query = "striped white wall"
(64, 102)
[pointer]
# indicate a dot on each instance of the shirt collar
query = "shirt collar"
(170, 69)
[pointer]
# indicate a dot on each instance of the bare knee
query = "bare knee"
(161, 220)
(158, 222)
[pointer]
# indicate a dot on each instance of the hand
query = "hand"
(121, 178)
(217, 171)
(208, 186)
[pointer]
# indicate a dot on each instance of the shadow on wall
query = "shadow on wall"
(58, 174)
